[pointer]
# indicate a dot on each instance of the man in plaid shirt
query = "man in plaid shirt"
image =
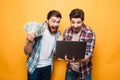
(78, 31)
(40, 49)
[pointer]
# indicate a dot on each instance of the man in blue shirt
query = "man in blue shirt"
(40, 49)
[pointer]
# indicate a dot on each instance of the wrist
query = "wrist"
(30, 41)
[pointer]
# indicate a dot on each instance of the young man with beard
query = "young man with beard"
(40, 49)
(78, 31)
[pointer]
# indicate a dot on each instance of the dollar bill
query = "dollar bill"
(34, 27)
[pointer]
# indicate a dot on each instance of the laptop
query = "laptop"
(73, 49)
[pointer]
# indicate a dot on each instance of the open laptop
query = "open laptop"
(72, 49)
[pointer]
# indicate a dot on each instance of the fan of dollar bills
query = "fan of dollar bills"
(33, 27)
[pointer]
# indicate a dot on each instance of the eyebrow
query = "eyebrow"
(75, 21)
(55, 20)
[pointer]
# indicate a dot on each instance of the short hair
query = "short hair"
(77, 13)
(54, 13)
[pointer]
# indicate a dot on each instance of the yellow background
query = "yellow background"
(102, 15)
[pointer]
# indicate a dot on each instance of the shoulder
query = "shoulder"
(68, 30)
(58, 32)
(87, 29)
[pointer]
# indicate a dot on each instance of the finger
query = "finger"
(82, 60)
(60, 59)
(73, 59)
(66, 57)
(87, 60)
(60, 38)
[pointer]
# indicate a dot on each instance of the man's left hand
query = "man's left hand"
(86, 59)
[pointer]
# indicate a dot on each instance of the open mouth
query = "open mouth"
(54, 28)
(76, 29)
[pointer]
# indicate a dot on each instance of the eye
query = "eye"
(53, 21)
(72, 22)
(79, 22)
(58, 21)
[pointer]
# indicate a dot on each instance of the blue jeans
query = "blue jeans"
(72, 75)
(40, 74)
(88, 77)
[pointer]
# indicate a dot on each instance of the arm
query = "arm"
(30, 42)
(90, 46)
(90, 38)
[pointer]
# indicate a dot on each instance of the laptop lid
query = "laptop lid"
(72, 49)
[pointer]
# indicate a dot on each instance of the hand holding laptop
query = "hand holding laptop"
(86, 58)
(60, 38)
(74, 50)
(65, 58)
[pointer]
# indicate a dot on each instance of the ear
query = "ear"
(46, 21)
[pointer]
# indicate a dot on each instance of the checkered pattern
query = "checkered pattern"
(34, 57)
(88, 36)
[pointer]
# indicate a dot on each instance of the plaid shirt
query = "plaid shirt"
(34, 57)
(88, 36)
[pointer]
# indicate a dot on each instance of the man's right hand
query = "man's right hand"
(31, 37)
(60, 38)
(29, 47)
(69, 60)
(66, 59)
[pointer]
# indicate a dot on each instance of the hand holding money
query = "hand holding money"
(31, 37)
(33, 27)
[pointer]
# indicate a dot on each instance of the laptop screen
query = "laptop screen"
(73, 49)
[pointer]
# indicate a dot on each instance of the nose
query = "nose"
(75, 25)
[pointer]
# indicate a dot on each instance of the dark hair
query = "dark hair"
(77, 13)
(54, 13)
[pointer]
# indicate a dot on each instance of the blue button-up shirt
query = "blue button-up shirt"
(33, 58)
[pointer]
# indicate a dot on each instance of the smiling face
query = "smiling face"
(76, 24)
(53, 24)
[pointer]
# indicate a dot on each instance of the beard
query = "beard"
(52, 29)
(76, 29)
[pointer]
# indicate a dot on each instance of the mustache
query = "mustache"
(75, 28)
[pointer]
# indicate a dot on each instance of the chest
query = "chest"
(82, 36)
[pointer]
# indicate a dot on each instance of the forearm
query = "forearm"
(29, 47)
(30, 42)
(90, 45)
